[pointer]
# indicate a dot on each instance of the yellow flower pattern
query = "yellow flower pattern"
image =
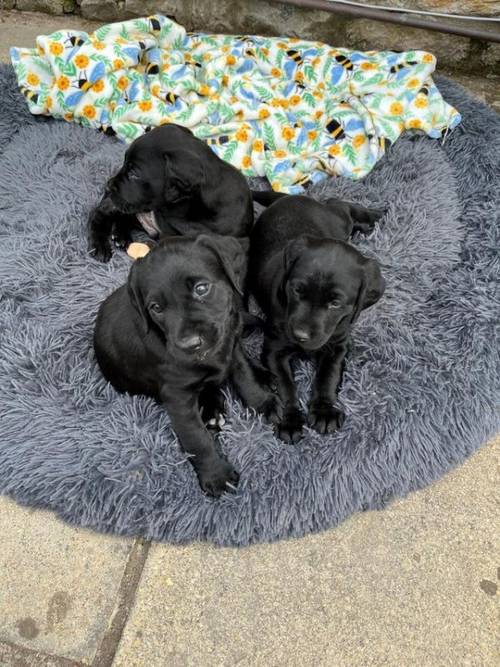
(98, 86)
(32, 79)
(89, 111)
(82, 61)
(122, 82)
(55, 48)
(241, 135)
(334, 149)
(415, 123)
(287, 109)
(145, 105)
(358, 140)
(396, 109)
(63, 83)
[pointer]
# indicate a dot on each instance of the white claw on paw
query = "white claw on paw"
(216, 422)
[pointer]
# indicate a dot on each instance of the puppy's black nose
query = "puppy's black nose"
(190, 343)
(301, 335)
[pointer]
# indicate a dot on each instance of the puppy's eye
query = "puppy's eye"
(202, 289)
(155, 307)
(133, 173)
(333, 305)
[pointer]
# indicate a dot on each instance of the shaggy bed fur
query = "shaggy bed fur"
(421, 380)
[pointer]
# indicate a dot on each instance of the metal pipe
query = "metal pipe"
(389, 17)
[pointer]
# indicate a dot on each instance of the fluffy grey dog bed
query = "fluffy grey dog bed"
(420, 384)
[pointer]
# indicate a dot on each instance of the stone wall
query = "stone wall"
(271, 18)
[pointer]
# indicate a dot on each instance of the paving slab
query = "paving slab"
(58, 584)
(16, 656)
(414, 584)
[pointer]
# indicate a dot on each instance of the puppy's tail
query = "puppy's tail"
(266, 197)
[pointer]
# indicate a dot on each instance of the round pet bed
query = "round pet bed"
(420, 384)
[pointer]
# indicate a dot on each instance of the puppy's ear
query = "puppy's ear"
(291, 253)
(184, 173)
(232, 254)
(135, 293)
(371, 289)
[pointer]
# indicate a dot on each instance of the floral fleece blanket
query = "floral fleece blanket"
(288, 109)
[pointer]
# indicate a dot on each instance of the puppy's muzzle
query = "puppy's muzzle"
(190, 343)
(307, 339)
(301, 335)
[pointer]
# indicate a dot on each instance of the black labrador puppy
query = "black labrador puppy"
(173, 333)
(312, 286)
(174, 184)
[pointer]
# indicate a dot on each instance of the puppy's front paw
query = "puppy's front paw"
(272, 409)
(212, 410)
(216, 421)
(374, 214)
(365, 224)
(290, 427)
(218, 478)
(100, 250)
(324, 418)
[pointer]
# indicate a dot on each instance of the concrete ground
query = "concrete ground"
(414, 584)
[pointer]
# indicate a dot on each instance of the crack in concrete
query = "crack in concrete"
(126, 595)
(20, 656)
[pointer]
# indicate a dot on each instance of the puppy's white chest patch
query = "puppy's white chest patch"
(149, 224)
